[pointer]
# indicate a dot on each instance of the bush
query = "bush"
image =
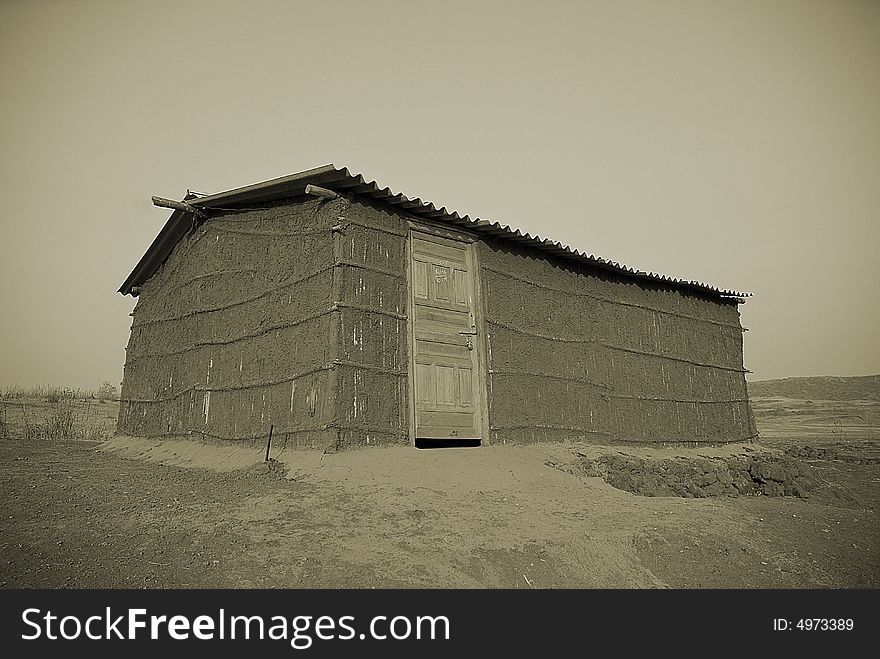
(59, 394)
(59, 424)
(107, 391)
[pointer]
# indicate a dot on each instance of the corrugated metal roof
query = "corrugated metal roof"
(343, 182)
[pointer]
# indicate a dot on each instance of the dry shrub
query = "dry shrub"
(59, 425)
(68, 419)
(49, 393)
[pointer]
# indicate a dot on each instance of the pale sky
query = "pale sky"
(735, 142)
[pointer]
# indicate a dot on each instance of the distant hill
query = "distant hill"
(866, 387)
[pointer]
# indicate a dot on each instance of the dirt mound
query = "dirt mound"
(763, 474)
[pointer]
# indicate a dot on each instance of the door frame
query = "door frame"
(481, 405)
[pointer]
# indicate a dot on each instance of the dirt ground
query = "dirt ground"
(125, 513)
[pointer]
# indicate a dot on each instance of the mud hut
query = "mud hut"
(340, 313)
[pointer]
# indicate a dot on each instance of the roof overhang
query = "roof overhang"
(343, 182)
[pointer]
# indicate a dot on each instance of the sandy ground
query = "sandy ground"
(129, 513)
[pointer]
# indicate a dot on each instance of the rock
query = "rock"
(773, 489)
(758, 471)
(707, 479)
(714, 490)
(694, 491)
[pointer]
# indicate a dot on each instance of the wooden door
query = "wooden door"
(445, 345)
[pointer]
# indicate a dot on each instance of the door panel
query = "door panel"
(445, 347)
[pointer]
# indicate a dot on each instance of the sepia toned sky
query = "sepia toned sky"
(735, 142)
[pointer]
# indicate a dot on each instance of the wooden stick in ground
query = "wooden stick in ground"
(269, 443)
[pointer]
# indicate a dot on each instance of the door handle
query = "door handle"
(470, 334)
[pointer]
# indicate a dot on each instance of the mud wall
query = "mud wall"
(231, 335)
(575, 352)
(294, 316)
(371, 335)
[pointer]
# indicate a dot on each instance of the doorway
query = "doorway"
(446, 347)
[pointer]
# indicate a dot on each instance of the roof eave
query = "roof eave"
(170, 234)
(277, 188)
